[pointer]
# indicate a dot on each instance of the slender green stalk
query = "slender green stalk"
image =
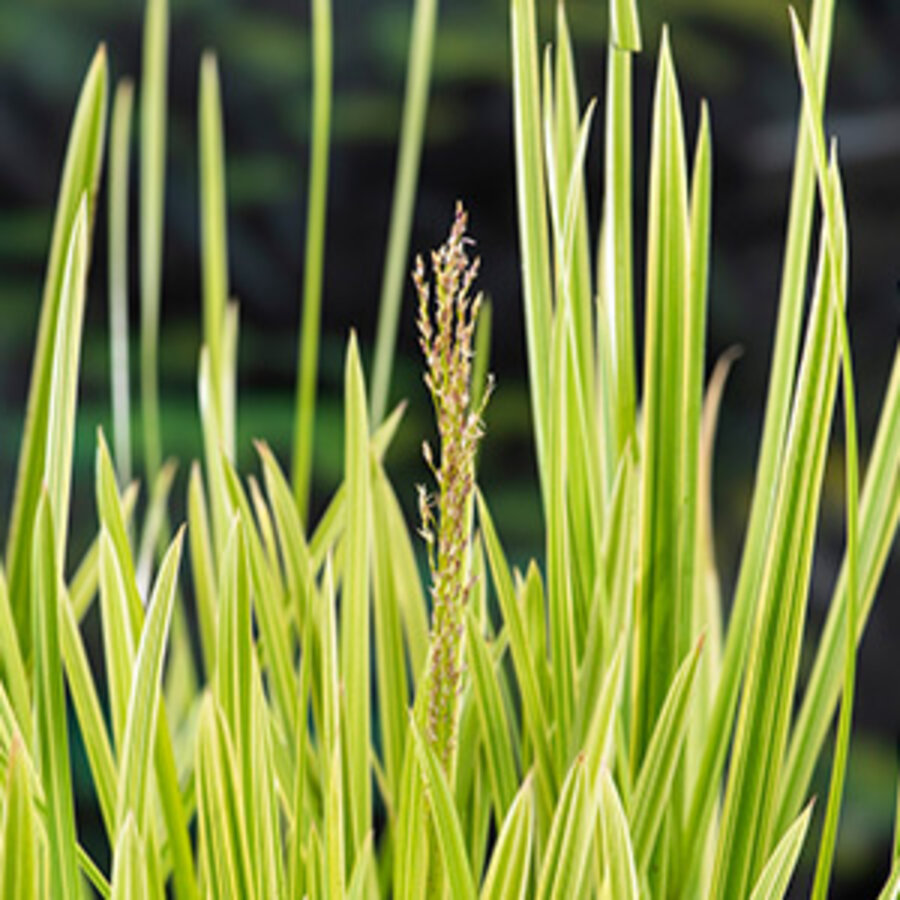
(153, 175)
(214, 234)
(412, 131)
(120, 141)
(314, 255)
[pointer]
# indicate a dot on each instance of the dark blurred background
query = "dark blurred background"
(736, 53)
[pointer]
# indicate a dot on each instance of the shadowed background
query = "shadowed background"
(736, 53)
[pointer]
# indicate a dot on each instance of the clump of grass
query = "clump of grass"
(617, 740)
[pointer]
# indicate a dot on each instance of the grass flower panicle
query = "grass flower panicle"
(446, 338)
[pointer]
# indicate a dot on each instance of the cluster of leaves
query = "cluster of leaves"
(594, 705)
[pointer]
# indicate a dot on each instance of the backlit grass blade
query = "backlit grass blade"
(624, 26)
(508, 874)
(501, 762)
(747, 824)
(15, 676)
(135, 758)
(64, 379)
(51, 750)
(89, 713)
(118, 181)
(154, 89)
(214, 238)
(270, 612)
(355, 598)
(571, 835)
(17, 849)
(85, 581)
(390, 656)
(482, 360)
(830, 193)
(533, 706)
(411, 848)
(111, 514)
(778, 403)
(561, 612)
(335, 851)
(532, 205)
(878, 520)
(662, 613)
(444, 818)
(314, 254)
(220, 810)
(775, 877)
(155, 525)
(363, 879)
(202, 568)
(118, 647)
(129, 872)
(652, 790)
(412, 132)
(81, 172)
(617, 845)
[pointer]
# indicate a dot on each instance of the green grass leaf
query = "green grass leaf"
(508, 875)
(773, 881)
(81, 172)
(17, 849)
(51, 748)
(314, 253)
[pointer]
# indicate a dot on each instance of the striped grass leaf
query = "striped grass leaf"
(618, 851)
(154, 90)
(601, 727)
(411, 849)
(509, 871)
(653, 787)
(155, 525)
(64, 379)
(615, 273)
(363, 881)
(15, 676)
(412, 133)
(118, 646)
(117, 263)
(267, 533)
(314, 253)
(531, 202)
(481, 363)
(879, 515)
(335, 850)
(390, 657)
(354, 634)
(561, 611)
(444, 818)
(830, 193)
(331, 523)
(18, 877)
(223, 838)
(624, 25)
(495, 734)
(202, 568)
(773, 658)
(269, 606)
(214, 237)
(144, 699)
(85, 582)
(782, 378)
(217, 490)
(661, 618)
(295, 553)
(51, 743)
(533, 705)
(129, 871)
(571, 834)
(112, 517)
(411, 598)
(89, 713)
(234, 651)
(81, 172)
(776, 875)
